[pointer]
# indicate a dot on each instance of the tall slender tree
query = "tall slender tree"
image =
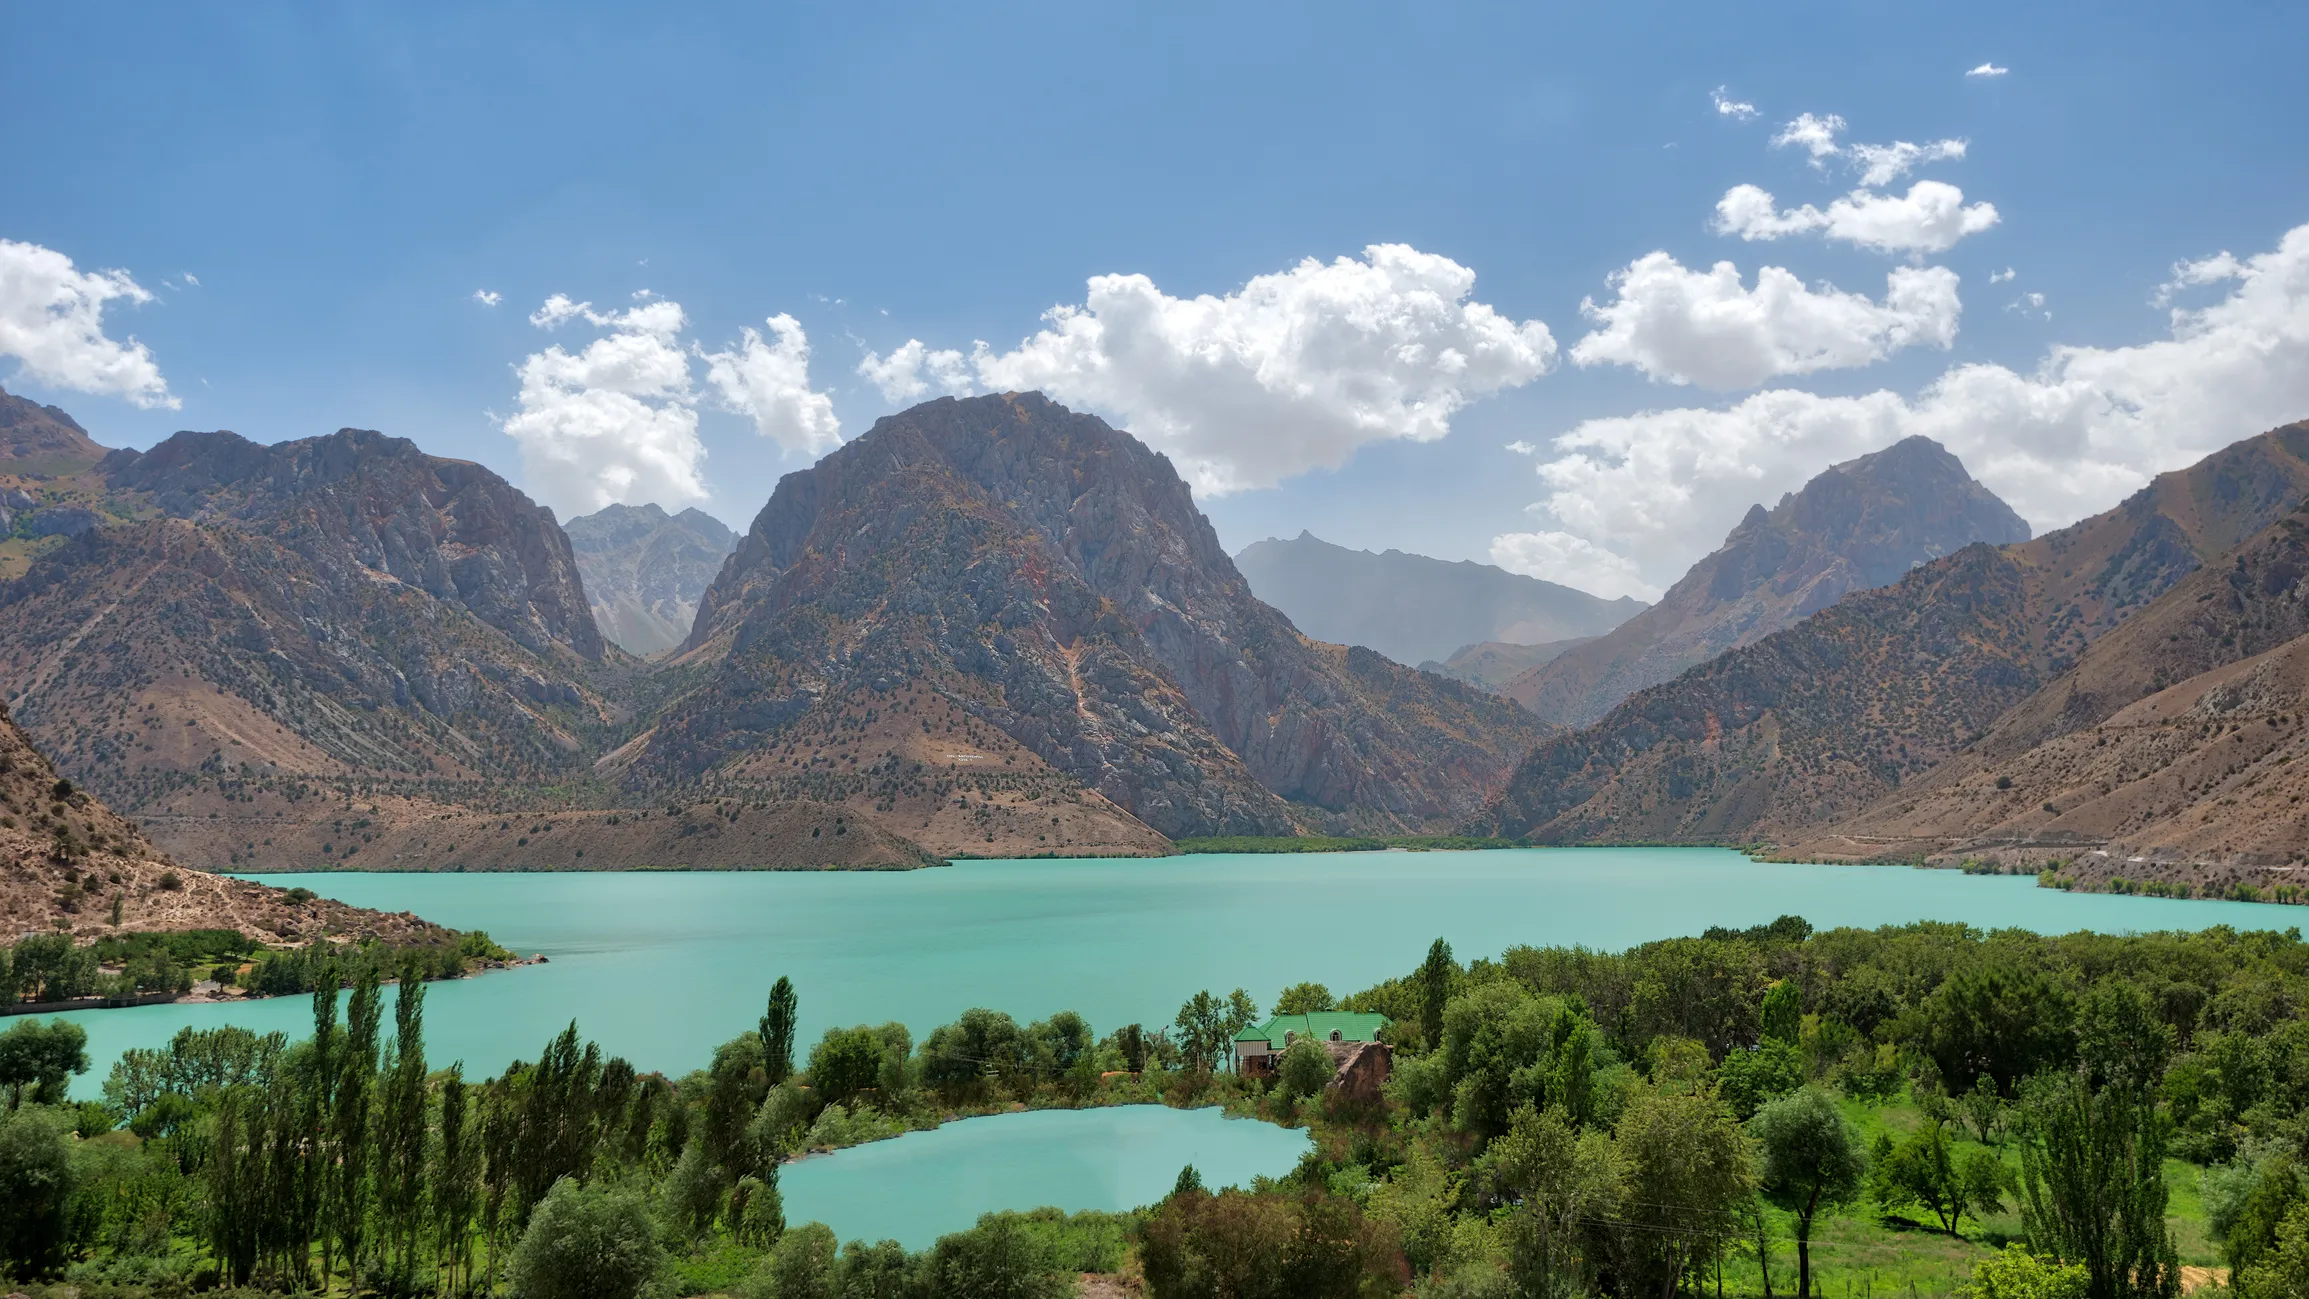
(356, 1075)
(400, 1142)
(1435, 976)
(456, 1184)
(778, 1031)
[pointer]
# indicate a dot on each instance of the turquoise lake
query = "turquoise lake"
(660, 967)
(918, 1187)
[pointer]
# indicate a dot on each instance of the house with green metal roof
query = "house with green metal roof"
(1258, 1047)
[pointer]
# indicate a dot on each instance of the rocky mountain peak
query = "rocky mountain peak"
(358, 503)
(1854, 526)
(42, 438)
(646, 570)
(1050, 575)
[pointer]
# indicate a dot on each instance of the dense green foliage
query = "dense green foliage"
(1746, 1108)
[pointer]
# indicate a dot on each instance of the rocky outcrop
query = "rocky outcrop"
(1412, 608)
(41, 438)
(1050, 576)
(1855, 526)
(646, 570)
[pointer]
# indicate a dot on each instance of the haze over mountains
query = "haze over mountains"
(645, 571)
(1856, 525)
(1412, 608)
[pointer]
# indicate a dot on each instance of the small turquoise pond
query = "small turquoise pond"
(918, 1187)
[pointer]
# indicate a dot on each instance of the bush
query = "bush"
(997, 1259)
(1750, 1078)
(800, 1266)
(2018, 1274)
(1305, 1068)
(587, 1243)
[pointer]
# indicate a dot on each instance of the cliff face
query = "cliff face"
(1050, 578)
(646, 570)
(1775, 739)
(1855, 526)
(1414, 609)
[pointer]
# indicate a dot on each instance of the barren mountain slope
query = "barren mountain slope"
(1823, 720)
(1856, 525)
(1048, 578)
(2159, 774)
(65, 856)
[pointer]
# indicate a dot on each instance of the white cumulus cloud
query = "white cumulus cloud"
(487, 298)
(769, 383)
(614, 422)
(1293, 372)
(1730, 107)
(2075, 435)
(52, 323)
(1572, 561)
(1986, 70)
(912, 369)
(1930, 218)
(1813, 133)
(1705, 327)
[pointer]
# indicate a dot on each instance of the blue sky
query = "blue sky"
(343, 179)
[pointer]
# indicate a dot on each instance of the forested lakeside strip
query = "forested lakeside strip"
(1757, 1111)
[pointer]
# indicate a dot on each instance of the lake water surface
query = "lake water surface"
(659, 968)
(918, 1187)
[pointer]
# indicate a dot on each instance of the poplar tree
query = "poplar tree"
(356, 1073)
(400, 1144)
(456, 1179)
(778, 1031)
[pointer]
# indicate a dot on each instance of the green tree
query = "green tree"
(778, 1031)
(997, 1259)
(800, 1266)
(1304, 1069)
(736, 1084)
(2093, 1185)
(1305, 999)
(1558, 1179)
(456, 1181)
(1204, 1038)
(1783, 1013)
(400, 1144)
(846, 1062)
(759, 1211)
(1689, 1169)
(41, 1059)
(969, 1057)
(587, 1243)
(50, 967)
(350, 1189)
(36, 1193)
(1749, 1079)
(1812, 1160)
(694, 1192)
(2005, 1022)
(2283, 1271)
(1434, 979)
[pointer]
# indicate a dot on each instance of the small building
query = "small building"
(1260, 1047)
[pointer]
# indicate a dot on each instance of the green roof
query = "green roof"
(1351, 1026)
